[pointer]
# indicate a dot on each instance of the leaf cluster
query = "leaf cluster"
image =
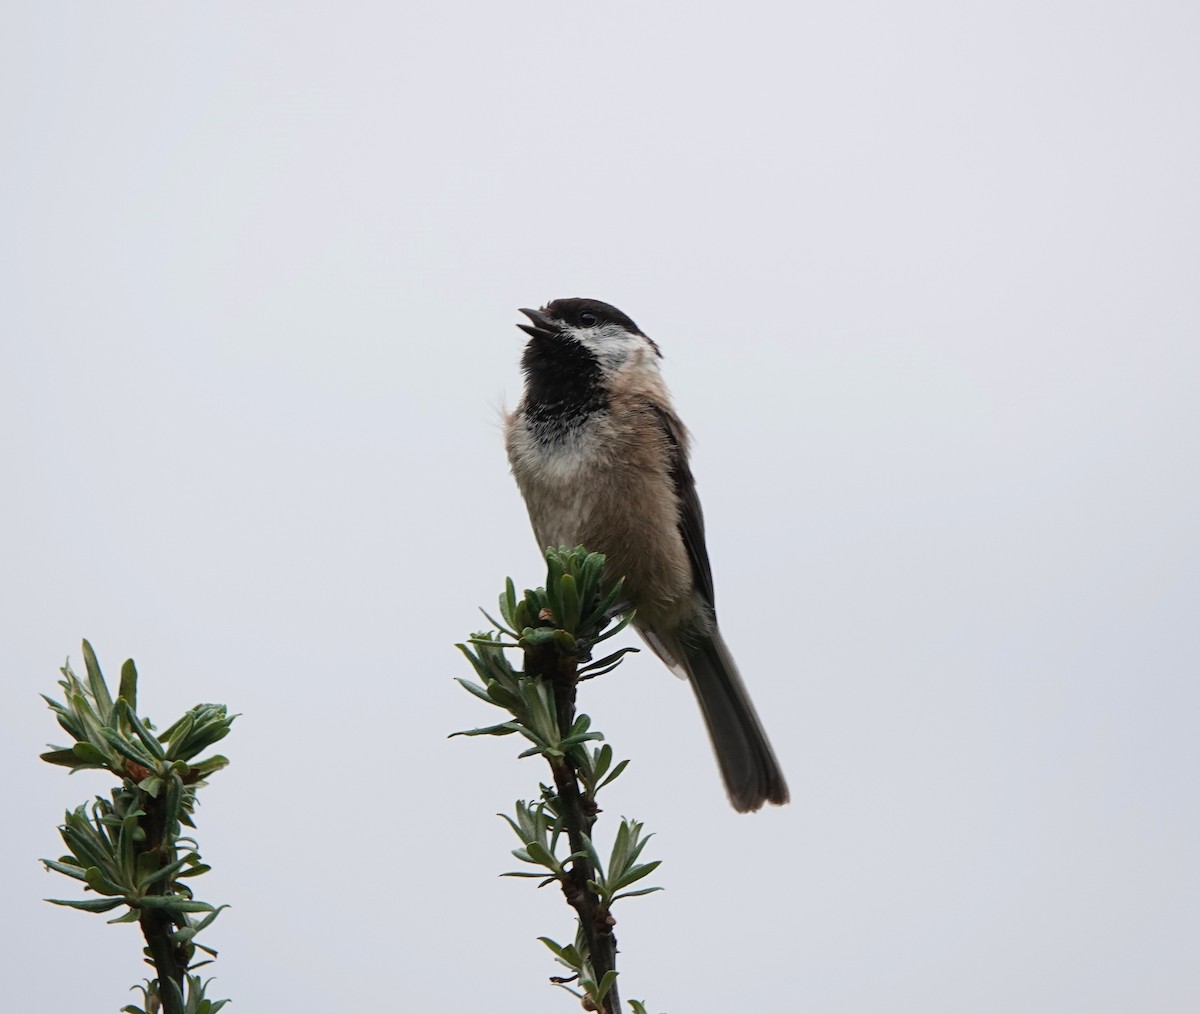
(108, 733)
(571, 612)
(568, 616)
(190, 999)
(540, 826)
(571, 956)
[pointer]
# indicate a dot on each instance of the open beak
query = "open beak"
(542, 326)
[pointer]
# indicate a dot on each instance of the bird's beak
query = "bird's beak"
(542, 325)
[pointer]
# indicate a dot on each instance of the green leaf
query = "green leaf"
(540, 855)
(149, 740)
(636, 874)
(518, 830)
(72, 870)
(96, 681)
(508, 602)
(206, 922)
(176, 992)
(592, 854)
(569, 592)
(554, 571)
(596, 616)
(147, 863)
(620, 850)
(127, 748)
(637, 893)
(621, 625)
(70, 758)
(537, 636)
(606, 664)
(504, 729)
(178, 734)
(89, 754)
(87, 722)
(101, 884)
(89, 904)
(476, 689)
(173, 903)
(616, 773)
(498, 625)
(568, 955)
(476, 663)
(601, 759)
(125, 857)
(128, 684)
(571, 741)
(89, 847)
(209, 766)
(606, 984)
(165, 872)
(200, 728)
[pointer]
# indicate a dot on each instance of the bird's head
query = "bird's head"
(588, 326)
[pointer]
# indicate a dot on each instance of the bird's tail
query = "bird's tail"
(748, 765)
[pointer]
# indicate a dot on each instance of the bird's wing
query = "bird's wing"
(691, 518)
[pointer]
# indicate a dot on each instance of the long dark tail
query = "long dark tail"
(748, 765)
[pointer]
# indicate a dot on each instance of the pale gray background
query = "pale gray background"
(925, 276)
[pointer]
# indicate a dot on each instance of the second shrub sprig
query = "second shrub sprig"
(129, 849)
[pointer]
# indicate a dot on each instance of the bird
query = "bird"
(601, 460)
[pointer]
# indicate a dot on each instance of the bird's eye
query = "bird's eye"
(588, 319)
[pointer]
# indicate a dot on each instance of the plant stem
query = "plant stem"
(595, 920)
(157, 928)
(157, 925)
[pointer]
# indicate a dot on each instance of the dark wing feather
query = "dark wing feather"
(752, 774)
(691, 518)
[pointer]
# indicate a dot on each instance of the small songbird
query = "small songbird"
(602, 461)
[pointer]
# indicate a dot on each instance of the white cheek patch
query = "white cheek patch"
(611, 344)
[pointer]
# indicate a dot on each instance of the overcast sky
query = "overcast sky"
(925, 276)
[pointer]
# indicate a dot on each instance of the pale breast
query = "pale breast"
(609, 490)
